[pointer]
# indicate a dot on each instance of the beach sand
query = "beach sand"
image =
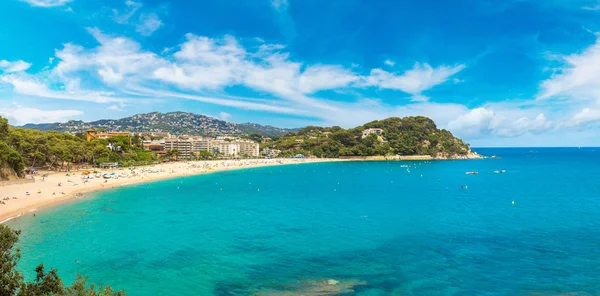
(46, 192)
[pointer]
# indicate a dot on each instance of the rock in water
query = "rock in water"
(332, 282)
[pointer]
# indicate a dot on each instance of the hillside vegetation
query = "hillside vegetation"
(176, 123)
(24, 148)
(414, 135)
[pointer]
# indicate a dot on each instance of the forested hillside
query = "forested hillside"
(24, 148)
(414, 135)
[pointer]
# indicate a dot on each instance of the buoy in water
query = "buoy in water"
(513, 202)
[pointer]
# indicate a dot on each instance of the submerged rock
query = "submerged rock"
(315, 288)
(332, 282)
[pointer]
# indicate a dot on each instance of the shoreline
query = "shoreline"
(47, 193)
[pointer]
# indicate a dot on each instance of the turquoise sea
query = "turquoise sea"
(377, 227)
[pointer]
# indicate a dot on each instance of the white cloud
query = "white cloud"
(10, 67)
(113, 61)
(148, 24)
(224, 116)
(389, 63)
(47, 3)
(584, 117)
(23, 115)
(578, 79)
(27, 85)
(420, 78)
(316, 78)
(116, 107)
(592, 7)
(473, 124)
(280, 5)
(482, 122)
(123, 17)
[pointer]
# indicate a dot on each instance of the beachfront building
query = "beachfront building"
(225, 148)
(153, 145)
(271, 152)
(183, 146)
(248, 148)
(92, 134)
(200, 144)
(376, 131)
(188, 145)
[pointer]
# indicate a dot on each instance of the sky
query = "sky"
(495, 73)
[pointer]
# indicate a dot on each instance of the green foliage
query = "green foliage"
(3, 128)
(204, 155)
(255, 137)
(21, 148)
(414, 135)
(10, 159)
(12, 282)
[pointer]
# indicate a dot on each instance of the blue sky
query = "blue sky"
(496, 73)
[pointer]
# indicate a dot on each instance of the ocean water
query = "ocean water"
(377, 227)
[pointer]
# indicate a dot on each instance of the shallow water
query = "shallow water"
(373, 226)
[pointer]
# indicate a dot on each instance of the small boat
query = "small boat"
(499, 171)
(471, 173)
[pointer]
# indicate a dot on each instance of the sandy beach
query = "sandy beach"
(59, 187)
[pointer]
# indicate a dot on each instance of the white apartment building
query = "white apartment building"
(190, 145)
(224, 148)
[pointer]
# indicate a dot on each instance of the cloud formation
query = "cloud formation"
(414, 81)
(47, 3)
(578, 79)
(10, 67)
(481, 122)
(149, 23)
(23, 115)
(224, 116)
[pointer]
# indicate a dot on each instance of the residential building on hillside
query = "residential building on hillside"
(271, 152)
(92, 134)
(367, 132)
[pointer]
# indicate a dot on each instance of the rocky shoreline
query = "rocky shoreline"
(469, 155)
